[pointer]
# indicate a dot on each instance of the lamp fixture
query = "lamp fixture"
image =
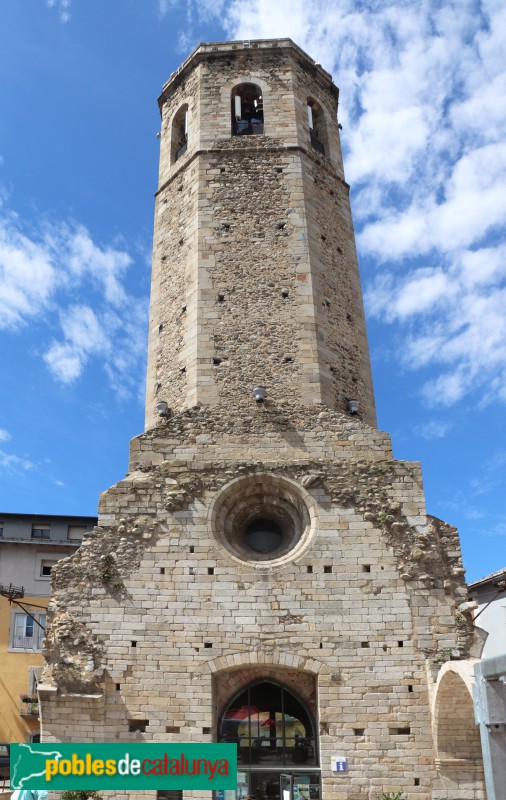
(353, 407)
(260, 393)
(162, 408)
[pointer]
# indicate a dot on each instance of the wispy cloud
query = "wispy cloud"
(433, 429)
(14, 463)
(4, 435)
(422, 90)
(40, 273)
(424, 118)
(164, 6)
(63, 8)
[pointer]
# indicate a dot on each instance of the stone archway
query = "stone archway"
(270, 712)
(457, 738)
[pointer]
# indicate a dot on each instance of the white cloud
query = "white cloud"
(422, 90)
(13, 463)
(434, 429)
(65, 361)
(105, 266)
(118, 341)
(82, 329)
(40, 274)
(27, 275)
(164, 7)
(4, 435)
(63, 8)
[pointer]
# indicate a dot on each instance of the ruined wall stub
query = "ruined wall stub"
(170, 609)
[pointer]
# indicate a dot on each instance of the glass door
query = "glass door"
(286, 786)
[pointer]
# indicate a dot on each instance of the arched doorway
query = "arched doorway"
(277, 748)
(458, 748)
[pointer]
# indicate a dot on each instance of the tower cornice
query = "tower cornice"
(207, 50)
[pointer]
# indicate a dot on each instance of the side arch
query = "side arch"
(318, 133)
(456, 736)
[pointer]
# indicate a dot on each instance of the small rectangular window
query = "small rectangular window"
(170, 794)
(28, 631)
(138, 725)
(45, 567)
(76, 532)
(40, 531)
(1, 529)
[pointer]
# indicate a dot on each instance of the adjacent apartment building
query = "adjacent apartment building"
(30, 544)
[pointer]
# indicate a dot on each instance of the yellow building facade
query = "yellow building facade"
(29, 547)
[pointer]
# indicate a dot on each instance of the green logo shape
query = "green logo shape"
(140, 765)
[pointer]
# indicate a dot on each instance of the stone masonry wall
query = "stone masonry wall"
(174, 242)
(153, 614)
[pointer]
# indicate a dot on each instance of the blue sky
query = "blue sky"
(423, 109)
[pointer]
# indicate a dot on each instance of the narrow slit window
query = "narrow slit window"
(180, 133)
(317, 126)
(247, 110)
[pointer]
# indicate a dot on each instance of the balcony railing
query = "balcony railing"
(245, 127)
(28, 642)
(317, 145)
(29, 709)
(181, 151)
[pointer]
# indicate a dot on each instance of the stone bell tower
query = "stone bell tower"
(266, 573)
(255, 275)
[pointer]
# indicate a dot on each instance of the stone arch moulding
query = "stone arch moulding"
(238, 661)
(231, 674)
(252, 499)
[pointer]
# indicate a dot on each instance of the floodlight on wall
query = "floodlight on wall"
(159, 135)
(353, 407)
(259, 393)
(162, 408)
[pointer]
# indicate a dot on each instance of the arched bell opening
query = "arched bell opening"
(317, 126)
(247, 110)
(179, 134)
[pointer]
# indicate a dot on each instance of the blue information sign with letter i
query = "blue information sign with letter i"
(339, 764)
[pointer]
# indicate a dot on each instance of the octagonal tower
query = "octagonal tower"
(255, 274)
